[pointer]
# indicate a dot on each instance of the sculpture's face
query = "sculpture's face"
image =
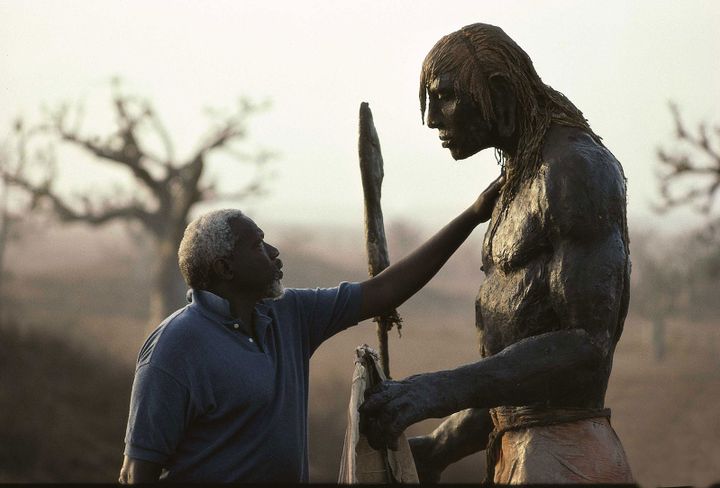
(460, 124)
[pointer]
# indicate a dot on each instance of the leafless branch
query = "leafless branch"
(696, 158)
(161, 131)
(120, 148)
(93, 213)
(253, 189)
(232, 128)
(259, 158)
(67, 213)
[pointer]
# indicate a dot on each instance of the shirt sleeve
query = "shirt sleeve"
(159, 407)
(328, 311)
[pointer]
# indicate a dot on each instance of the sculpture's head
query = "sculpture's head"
(461, 124)
(481, 90)
(470, 84)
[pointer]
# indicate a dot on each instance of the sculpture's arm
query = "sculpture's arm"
(529, 371)
(460, 435)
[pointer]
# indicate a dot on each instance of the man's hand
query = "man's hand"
(389, 289)
(485, 203)
(137, 471)
(391, 406)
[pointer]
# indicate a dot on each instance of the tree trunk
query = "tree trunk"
(5, 223)
(4, 230)
(659, 337)
(168, 288)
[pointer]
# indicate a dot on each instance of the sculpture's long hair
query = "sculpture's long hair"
(475, 53)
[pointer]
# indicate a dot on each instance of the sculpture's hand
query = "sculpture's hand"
(485, 203)
(391, 406)
(422, 448)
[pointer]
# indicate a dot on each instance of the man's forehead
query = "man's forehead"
(246, 229)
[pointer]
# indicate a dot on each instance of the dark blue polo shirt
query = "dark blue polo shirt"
(210, 404)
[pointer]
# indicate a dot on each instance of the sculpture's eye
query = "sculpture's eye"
(444, 94)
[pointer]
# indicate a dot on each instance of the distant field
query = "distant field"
(79, 302)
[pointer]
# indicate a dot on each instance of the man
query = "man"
(555, 297)
(221, 386)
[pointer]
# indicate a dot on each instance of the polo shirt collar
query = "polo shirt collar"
(217, 309)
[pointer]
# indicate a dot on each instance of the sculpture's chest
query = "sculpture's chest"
(518, 232)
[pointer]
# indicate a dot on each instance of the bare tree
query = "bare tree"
(683, 277)
(13, 207)
(166, 187)
(690, 173)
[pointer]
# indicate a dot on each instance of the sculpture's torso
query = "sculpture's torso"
(516, 300)
(513, 301)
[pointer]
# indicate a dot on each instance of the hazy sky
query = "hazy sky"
(618, 61)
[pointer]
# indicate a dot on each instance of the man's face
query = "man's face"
(255, 264)
(460, 124)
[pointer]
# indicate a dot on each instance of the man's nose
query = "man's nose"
(272, 251)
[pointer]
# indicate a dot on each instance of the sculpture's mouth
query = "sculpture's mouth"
(446, 140)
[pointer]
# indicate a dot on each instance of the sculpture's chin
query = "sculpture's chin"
(459, 156)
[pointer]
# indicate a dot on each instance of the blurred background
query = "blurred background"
(119, 121)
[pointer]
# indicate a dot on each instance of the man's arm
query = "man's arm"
(403, 279)
(159, 409)
(137, 471)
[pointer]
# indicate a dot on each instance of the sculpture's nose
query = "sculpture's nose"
(433, 115)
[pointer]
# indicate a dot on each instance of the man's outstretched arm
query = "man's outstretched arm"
(403, 279)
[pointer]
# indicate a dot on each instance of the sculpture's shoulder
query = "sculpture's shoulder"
(584, 182)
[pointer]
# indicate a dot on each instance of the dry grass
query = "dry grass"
(62, 410)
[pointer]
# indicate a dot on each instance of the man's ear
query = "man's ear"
(504, 104)
(221, 269)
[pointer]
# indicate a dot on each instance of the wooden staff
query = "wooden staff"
(371, 169)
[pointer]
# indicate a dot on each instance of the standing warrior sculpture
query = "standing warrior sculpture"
(552, 307)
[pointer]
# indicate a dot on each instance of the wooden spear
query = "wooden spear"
(371, 169)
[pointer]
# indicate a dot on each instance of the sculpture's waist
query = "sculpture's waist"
(511, 418)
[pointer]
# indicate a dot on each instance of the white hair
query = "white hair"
(205, 239)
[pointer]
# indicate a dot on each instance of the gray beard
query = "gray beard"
(275, 290)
